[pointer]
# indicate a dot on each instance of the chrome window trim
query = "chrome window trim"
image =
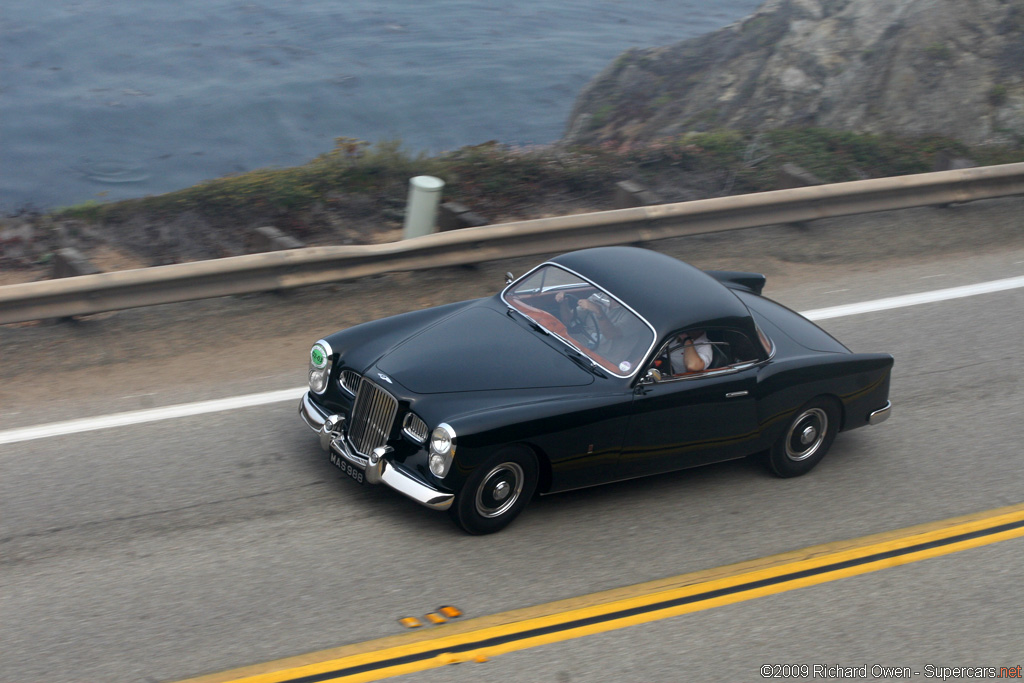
(761, 333)
(574, 347)
(717, 372)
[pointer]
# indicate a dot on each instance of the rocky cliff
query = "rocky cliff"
(915, 67)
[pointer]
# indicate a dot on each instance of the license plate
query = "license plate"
(347, 467)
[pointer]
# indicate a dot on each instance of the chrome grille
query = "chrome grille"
(349, 381)
(372, 416)
(415, 427)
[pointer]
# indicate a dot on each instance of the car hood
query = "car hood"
(479, 349)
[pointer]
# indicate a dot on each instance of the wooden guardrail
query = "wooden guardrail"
(316, 265)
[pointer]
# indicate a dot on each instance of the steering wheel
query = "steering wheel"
(583, 325)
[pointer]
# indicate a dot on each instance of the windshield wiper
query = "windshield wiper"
(529, 321)
(585, 362)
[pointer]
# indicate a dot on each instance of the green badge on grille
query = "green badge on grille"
(318, 357)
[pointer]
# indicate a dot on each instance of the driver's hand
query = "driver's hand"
(587, 305)
(559, 296)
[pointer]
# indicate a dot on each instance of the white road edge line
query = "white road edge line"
(135, 417)
(915, 299)
(88, 424)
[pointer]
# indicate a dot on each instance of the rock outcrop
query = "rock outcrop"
(913, 67)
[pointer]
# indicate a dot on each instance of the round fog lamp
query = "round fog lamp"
(438, 464)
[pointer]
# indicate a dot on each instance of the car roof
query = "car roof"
(670, 294)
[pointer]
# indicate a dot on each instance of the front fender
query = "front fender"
(577, 438)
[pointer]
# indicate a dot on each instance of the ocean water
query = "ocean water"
(111, 99)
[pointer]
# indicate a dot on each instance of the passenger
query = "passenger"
(694, 355)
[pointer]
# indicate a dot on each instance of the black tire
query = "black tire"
(806, 440)
(496, 492)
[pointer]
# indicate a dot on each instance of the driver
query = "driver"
(612, 320)
(608, 314)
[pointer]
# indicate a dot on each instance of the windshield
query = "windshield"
(584, 316)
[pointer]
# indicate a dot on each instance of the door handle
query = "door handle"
(736, 394)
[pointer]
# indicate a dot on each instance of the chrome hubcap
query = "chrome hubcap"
(499, 490)
(806, 434)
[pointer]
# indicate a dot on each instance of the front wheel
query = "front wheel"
(809, 436)
(496, 492)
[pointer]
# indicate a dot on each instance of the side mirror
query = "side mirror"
(653, 376)
(508, 278)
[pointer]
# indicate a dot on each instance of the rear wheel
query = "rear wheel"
(496, 492)
(806, 440)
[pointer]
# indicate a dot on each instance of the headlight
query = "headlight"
(319, 366)
(442, 449)
(317, 381)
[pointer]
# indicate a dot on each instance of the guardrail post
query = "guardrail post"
(69, 262)
(421, 211)
(790, 176)
(269, 238)
(629, 194)
(454, 216)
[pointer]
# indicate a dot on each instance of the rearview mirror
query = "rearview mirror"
(508, 278)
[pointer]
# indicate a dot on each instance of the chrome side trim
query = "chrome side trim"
(881, 415)
(736, 394)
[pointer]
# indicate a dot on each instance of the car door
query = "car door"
(691, 420)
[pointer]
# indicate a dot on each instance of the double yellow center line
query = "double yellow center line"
(485, 637)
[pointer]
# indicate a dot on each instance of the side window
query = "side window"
(739, 348)
(715, 349)
(685, 352)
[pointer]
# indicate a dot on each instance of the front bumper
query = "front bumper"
(377, 468)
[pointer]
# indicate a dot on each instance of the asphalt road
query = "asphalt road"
(181, 547)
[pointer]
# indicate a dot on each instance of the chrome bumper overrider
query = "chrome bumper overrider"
(881, 415)
(376, 468)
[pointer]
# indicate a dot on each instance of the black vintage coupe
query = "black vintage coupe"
(577, 374)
